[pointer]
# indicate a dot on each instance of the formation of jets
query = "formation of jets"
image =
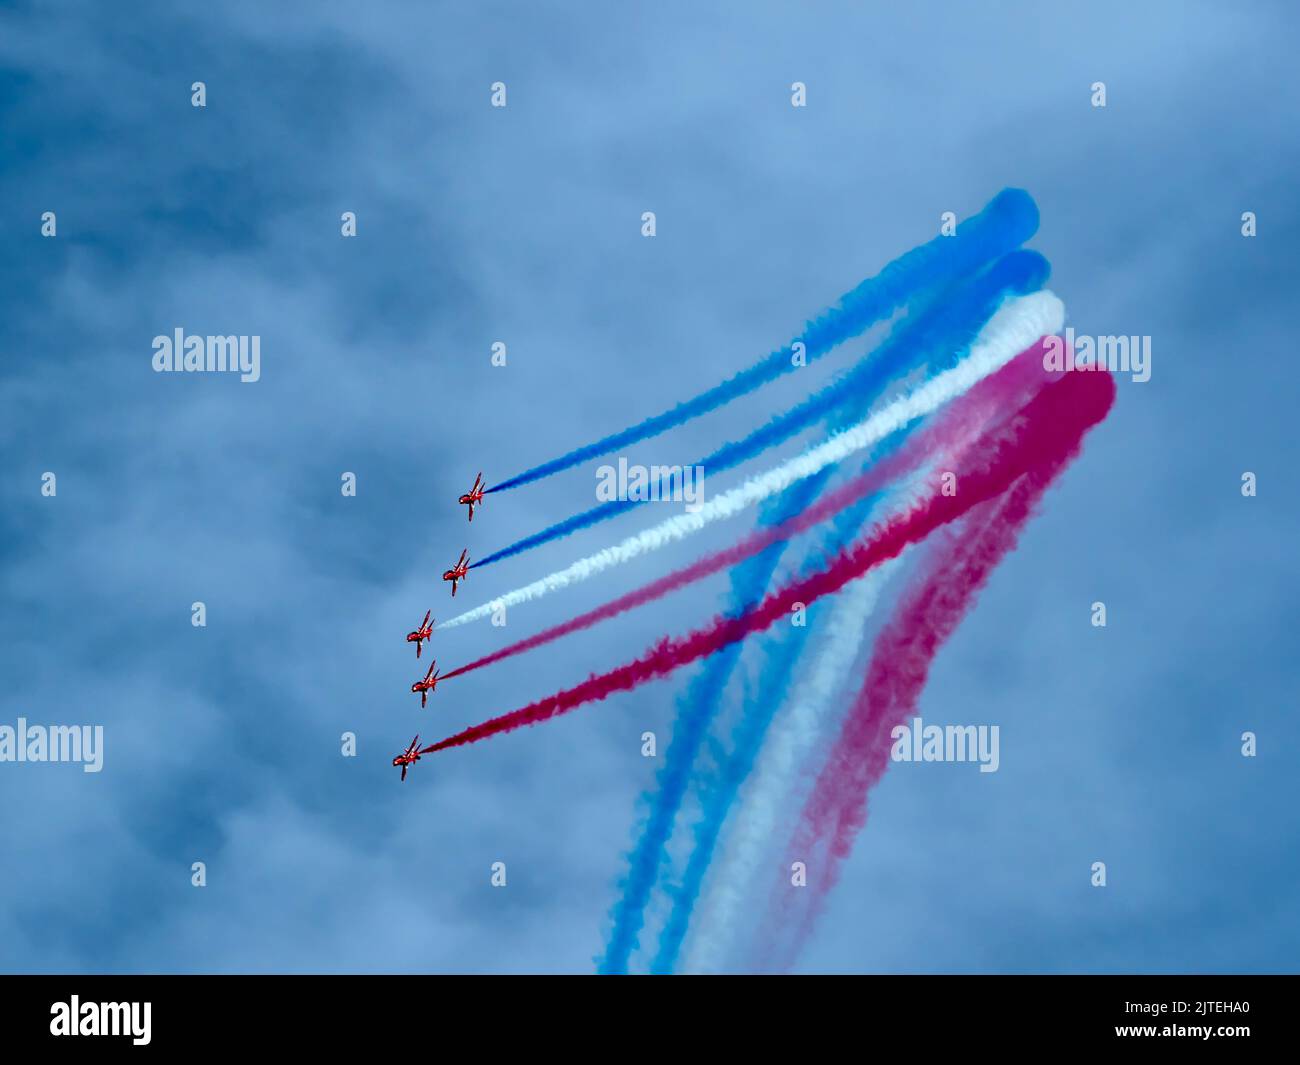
(429, 682)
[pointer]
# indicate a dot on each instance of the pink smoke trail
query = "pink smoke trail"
(926, 616)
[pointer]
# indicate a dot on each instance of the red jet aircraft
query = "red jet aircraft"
(458, 571)
(410, 756)
(424, 687)
(474, 496)
(424, 632)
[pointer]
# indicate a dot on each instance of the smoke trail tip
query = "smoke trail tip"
(1017, 207)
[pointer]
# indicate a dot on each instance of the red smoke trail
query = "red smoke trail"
(946, 574)
(928, 613)
(1001, 391)
(1051, 423)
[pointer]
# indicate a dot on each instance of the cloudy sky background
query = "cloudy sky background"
(522, 225)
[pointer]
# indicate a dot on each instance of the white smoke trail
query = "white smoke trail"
(1016, 325)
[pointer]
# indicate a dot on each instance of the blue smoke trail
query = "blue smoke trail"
(1006, 222)
(946, 323)
(693, 720)
(776, 676)
(749, 581)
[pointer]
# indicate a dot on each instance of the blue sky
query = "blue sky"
(523, 225)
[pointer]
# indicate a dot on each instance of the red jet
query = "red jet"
(458, 571)
(474, 496)
(424, 632)
(424, 687)
(410, 756)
